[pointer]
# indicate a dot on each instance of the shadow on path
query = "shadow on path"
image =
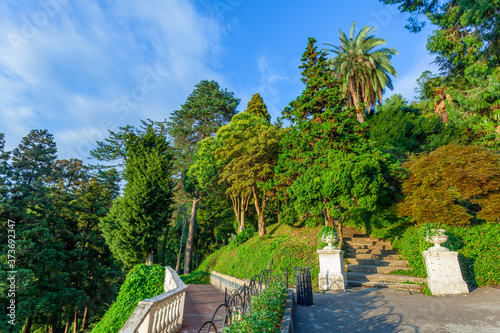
(350, 312)
(384, 310)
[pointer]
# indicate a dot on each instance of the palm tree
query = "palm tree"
(365, 70)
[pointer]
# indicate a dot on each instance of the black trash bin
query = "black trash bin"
(304, 286)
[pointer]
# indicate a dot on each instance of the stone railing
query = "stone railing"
(162, 313)
(223, 281)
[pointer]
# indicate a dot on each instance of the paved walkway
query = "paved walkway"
(385, 310)
(201, 302)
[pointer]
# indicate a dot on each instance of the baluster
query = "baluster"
(154, 329)
(171, 319)
(177, 311)
(164, 323)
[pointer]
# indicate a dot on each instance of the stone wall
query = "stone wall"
(223, 281)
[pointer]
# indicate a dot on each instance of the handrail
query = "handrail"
(162, 313)
(237, 301)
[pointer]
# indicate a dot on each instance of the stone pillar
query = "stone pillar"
(331, 270)
(444, 276)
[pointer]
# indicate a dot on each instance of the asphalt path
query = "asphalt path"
(385, 310)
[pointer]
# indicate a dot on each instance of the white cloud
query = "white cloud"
(270, 77)
(71, 64)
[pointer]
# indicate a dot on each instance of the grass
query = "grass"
(285, 246)
(196, 277)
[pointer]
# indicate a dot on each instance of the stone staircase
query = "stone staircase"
(370, 260)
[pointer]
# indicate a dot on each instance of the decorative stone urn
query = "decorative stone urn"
(437, 237)
(330, 239)
(331, 275)
(444, 276)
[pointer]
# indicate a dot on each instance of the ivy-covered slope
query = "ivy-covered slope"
(142, 282)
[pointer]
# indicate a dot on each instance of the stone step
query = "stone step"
(375, 269)
(370, 251)
(366, 246)
(383, 278)
(377, 262)
(399, 286)
(374, 256)
(367, 241)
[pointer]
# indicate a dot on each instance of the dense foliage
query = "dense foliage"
(64, 268)
(453, 185)
(248, 149)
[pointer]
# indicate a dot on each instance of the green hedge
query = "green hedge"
(266, 311)
(142, 282)
(478, 247)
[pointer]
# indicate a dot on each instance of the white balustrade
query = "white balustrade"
(162, 313)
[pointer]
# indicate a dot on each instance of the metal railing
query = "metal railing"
(162, 313)
(237, 302)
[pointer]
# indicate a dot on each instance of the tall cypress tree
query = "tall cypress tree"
(207, 108)
(136, 222)
(257, 106)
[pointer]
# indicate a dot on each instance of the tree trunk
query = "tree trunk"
(75, 320)
(84, 321)
(66, 329)
(260, 210)
(242, 215)
(149, 258)
(27, 326)
(51, 328)
(279, 212)
(178, 265)
(190, 238)
(340, 234)
(329, 217)
(240, 206)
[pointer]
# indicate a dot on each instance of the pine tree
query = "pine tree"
(207, 108)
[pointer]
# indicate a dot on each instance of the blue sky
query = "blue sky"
(79, 68)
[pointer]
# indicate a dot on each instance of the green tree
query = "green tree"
(137, 220)
(257, 106)
(364, 70)
(41, 254)
(401, 129)
(248, 150)
(112, 149)
(319, 122)
(207, 108)
(453, 185)
(467, 31)
(348, 185)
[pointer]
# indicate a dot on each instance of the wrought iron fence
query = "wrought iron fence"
(237, 302)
